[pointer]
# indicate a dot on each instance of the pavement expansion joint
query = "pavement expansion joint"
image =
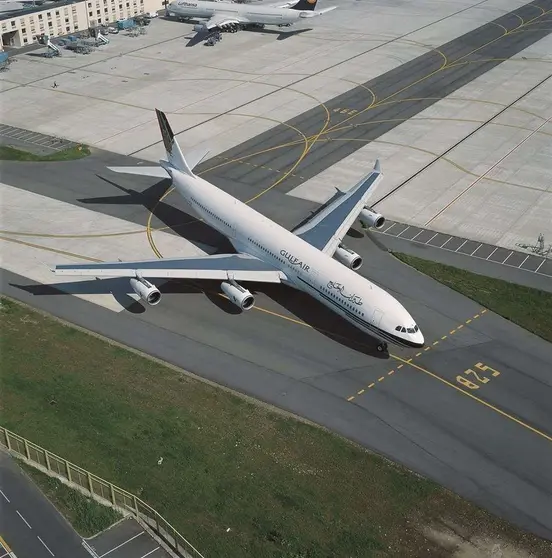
(419, 354)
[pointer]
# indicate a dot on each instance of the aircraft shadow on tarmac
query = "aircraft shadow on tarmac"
(183, 224)
(300, 305)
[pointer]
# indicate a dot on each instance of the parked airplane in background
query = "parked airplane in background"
(266, 252)
(232, 16)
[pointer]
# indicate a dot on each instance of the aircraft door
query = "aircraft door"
(377, 316)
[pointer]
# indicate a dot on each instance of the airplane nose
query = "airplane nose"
(419, 338)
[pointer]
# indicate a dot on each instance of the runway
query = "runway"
(471, 411)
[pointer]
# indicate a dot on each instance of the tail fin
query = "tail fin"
(305, 5)
(174, 154)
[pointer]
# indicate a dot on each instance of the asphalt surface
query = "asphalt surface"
(379, 104)
(29, 523)
(485, 436)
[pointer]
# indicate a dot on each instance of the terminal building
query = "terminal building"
(23, 21)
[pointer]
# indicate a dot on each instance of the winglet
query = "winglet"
(174, 154)
(377, 166)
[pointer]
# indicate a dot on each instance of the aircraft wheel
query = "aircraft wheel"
(382, 347)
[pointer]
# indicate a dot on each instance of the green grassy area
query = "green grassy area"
(12, 154)
(282, 487)
(529, 308)
(85, 515)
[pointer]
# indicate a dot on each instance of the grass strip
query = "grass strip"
(12, 154)
(526, 307)
(236, 479)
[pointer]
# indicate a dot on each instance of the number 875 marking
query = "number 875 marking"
(466, 382)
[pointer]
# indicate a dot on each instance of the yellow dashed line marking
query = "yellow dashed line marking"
(391, 372)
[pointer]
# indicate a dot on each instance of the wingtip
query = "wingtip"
(377, 166)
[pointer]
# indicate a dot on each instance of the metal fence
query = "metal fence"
(88, 482)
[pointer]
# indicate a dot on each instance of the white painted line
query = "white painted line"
(122, 544)
(491, 253)
(44, 544)
(150, 552)
(476, 250)
(389, 228)
(461, 245)
(427, 242)
(418, 234)
(504, 261)
(446, 241)
(7, 499)
(4, 555)
(26, 522)
(89, 549)
(407, 227)
(540, 265)
(524, 260)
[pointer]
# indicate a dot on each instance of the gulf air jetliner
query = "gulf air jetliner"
(310, 258)
(232, 16)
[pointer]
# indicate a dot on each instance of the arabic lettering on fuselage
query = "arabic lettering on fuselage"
(294, 261)
(339, 287)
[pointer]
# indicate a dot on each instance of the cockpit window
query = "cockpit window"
(403, 329)
(416, 328)
(398, 328)
(410, 330)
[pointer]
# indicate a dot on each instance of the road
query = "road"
(471, 411)
(31, 525)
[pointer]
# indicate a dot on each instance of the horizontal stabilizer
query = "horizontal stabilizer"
(157, 172)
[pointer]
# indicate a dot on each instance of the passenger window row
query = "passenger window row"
(211, 213)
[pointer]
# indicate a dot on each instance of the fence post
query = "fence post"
(112, 493)
(68, 469)
(136, 505)
(5, 432)
(47, 457)
(8, 443)
(26, 444)
(90, 483)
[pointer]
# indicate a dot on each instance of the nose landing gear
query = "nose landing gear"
(382, 347)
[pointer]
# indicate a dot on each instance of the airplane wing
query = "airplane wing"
(241, 267)
(327, 227)
(222, 20)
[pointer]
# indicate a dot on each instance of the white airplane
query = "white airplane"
(266, 252)
(232, 16)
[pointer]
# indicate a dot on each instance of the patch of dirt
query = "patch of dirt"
(476, 547)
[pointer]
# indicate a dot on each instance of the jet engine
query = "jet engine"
(199, 28)
(347, 257)
(146, 291)
(238, 295)
(370, 219)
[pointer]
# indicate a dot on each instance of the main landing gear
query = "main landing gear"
(382, 347)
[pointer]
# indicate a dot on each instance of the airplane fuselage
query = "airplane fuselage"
(306, 268)
(258, 14)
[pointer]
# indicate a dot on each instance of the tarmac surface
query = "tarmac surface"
(379, 105)
(29, 523)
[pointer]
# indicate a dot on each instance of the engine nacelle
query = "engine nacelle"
(348, 258)
(238, 295)
(199, 27)
(370, 219)
(146, 291)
